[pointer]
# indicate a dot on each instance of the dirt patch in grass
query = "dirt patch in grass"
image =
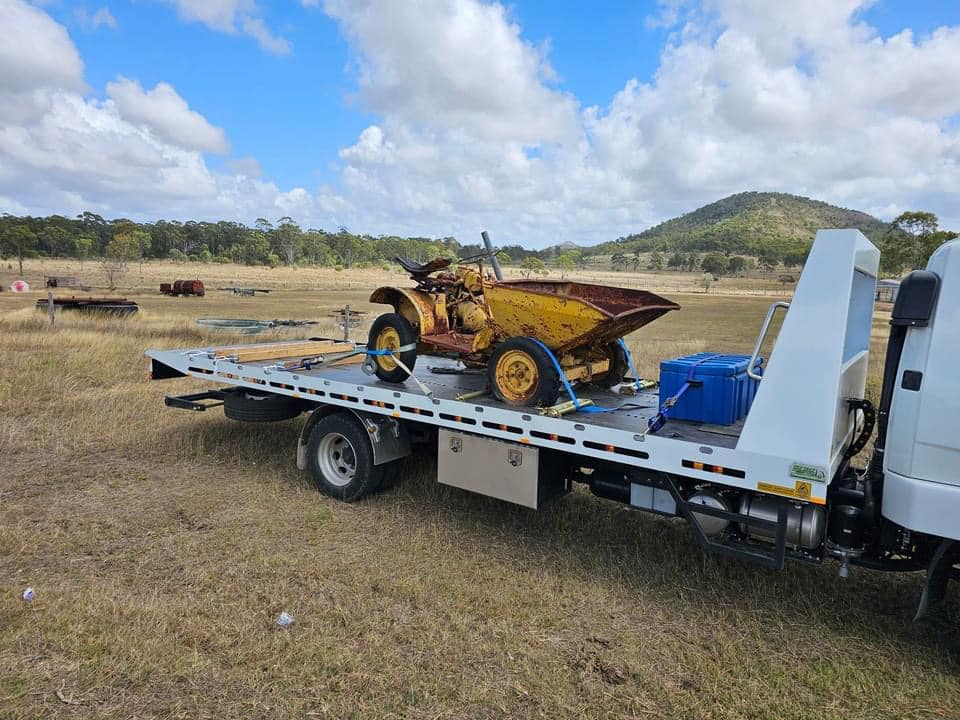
(162, 545)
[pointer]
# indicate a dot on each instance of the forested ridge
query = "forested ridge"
(748, 223)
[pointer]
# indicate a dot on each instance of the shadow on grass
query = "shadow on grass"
(598, 541)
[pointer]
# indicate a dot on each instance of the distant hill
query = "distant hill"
(746, 223)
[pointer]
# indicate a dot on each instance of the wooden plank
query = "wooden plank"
(326, 360)
(277, 351)
(354, 359)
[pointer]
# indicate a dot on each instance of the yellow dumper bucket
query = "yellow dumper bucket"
(565, 315)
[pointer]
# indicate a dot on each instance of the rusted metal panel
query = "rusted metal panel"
(415, 305)
(450, 342)
(183, 287)
(106, 305)
(59, 281)
(566, 315)
(440, 319)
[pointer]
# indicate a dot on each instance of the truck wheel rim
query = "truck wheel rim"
(337, 459)
(388, 339)
(517, 376)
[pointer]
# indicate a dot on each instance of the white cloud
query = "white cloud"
(233, 16)
(216, 14)
(247, 166)
(257, 29)
(9, 205)
(472, 132)
(102, 17)
(830, 109)
(167, 114)
(457, 65)
(798, 97)
(137, 154)
(35, 51)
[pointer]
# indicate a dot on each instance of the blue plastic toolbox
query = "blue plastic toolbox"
(720, 392)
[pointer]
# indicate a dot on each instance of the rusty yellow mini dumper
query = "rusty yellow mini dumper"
(500, 325)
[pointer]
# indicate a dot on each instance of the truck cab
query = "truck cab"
(921, 457)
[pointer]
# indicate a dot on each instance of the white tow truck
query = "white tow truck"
(779, 484)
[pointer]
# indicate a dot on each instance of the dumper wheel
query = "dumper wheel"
(392, 331)
(619, 367)
(520, 372)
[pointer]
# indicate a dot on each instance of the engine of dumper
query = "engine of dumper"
(471, 315)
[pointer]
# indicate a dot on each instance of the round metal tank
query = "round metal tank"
(711, 526)
(805, 523)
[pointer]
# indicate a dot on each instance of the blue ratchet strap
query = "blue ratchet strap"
(388, 351)
(633, 370)
(369, 364)
(568, 387)
(657, 422)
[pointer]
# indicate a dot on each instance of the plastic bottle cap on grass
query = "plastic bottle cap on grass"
(284, 620)
(28, 594)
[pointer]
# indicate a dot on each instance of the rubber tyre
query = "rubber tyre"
(548, 383)
(250, 406)
(366, 478)
(619, 367)
(407, 335)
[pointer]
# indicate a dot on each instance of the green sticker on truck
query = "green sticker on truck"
(807, 472)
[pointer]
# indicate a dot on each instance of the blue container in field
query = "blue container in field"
(721, 391)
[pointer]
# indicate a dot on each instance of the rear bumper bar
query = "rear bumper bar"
(193, 401)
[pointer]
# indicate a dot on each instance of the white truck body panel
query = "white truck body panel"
(820, 357)
(922, 460)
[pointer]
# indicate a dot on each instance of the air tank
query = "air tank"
(805, 523)
(711, 525)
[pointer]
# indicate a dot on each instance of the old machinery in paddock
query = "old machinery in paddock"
(183, 287)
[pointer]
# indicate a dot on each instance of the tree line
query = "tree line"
(90, 236)
(906, 243)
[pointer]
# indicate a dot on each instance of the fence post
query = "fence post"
(50, 309)
(346, 322)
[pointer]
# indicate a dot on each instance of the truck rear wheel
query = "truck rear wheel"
(392, 331)
(521, 372)
(340, 458)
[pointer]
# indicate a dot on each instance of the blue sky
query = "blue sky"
(436, 116)
(294, 112)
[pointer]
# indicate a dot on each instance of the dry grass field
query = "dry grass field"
(162, 545)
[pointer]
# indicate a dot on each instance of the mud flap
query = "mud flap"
(388, 437)
(939, 572)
